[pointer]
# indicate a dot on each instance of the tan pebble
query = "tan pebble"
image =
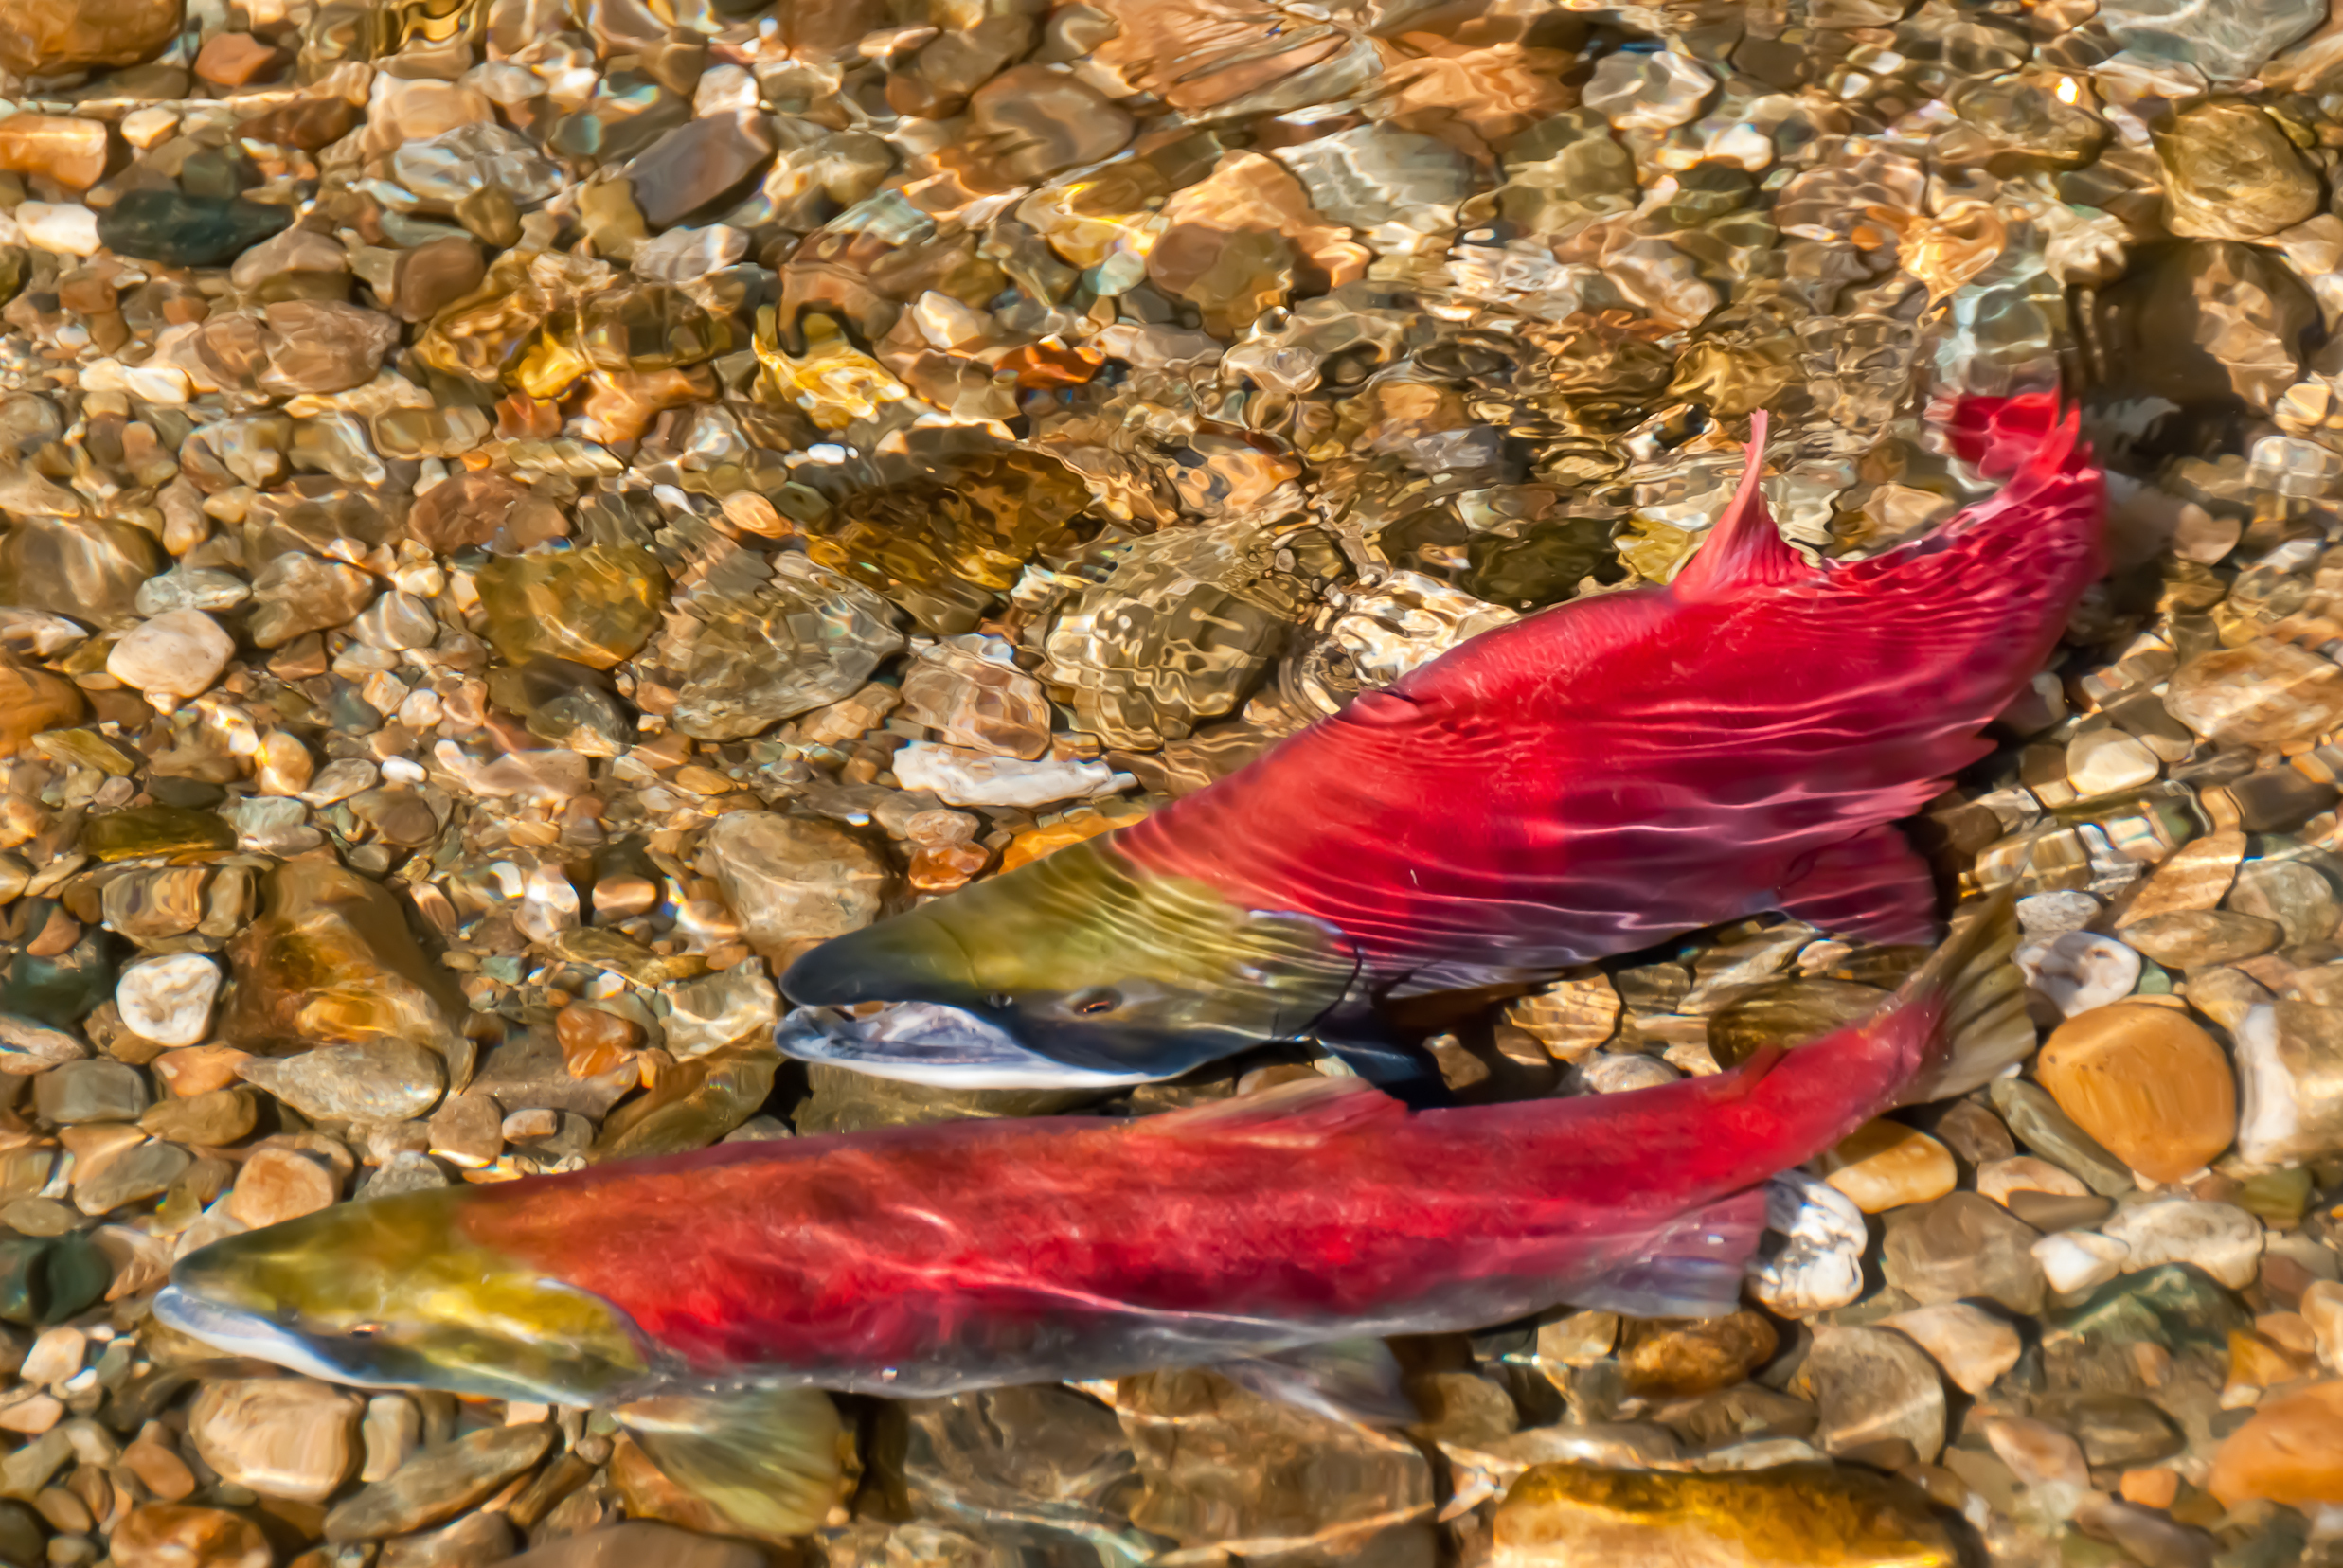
(1885, 1165)
(2152, 1087)
(1667, 1357)
(163, 1535)
(277, 1185)
(32, 1416)
(1998, 1179)
(2106, 760)
(54, 1357)
(199, 1069)
(2037, 1451)
(162, 1472)
(289, 1437)
(2154, 1487)
(2290, 1453)
(1973, 1347)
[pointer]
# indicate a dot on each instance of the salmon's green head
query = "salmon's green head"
(394, 1293)
(1082, 967)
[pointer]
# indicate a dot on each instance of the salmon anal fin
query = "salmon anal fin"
(1689, 1267)
(769, 1458)
(1744, 549)
(1871, 887)
(1302, 1111)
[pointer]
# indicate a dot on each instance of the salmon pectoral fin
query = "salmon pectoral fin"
(1689, 1267)
(771, 1459)
(1871, 887)
(1346, 1380)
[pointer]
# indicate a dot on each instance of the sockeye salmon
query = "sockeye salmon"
(1589, 780)
(707, 1298)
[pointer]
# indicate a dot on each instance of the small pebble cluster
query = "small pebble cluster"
(518, 517)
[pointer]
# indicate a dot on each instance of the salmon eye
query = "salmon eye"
(1091, 1004)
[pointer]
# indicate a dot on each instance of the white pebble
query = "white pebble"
(2055, 913)
(2076, 1260)
(962, 777)
(1820, 1264)
(169, 1000)
(67, 227)
(178, 653)
(2106, 760)
(1619, 1072)
(2075, 971)
(2220, 1239)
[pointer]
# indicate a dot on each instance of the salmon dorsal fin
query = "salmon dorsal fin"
(1298, 1112)
(1744, 550)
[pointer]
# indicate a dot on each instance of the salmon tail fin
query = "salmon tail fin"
(1744, 549)
(773, 1460)
(1981, 1027)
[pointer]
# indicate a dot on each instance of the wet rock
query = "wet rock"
(2265, 694)
(807, 638)
(2223, 1241)
(970, 692)
(187, 231)
(332, 961)
(1664, 1357)
(1222, 1467)
(70, 152)
(210, 1119)
(789, 879)
(698, 163)
(2230, 174)
(2290, 1075)
(1820, 1264)
(2192, 939)
(2290, 1450)
(286, 1437)
(78, 1092)
(438, 1483)
(1973, 1345)
(161, 1535)
(640, 1543)
(719, 1009)
(2077, 1261)
(297, 593)
(2227, 43)
(1885, 1165)
(2114, 1429)
(32, 700)
(693, 1105)
(1872, 1387)
(277, 1185)
(1963, 1245)
(388, 1080)
(2076, 970)
(595, 605)
(2041, 1125)
(2299, 898)
(1576, 1516)
(962, 777)
(84, 569)
(169, 1000)
(41, 39)
(2151, 1087)
(1648, 92)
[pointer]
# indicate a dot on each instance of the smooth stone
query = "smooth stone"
(1578, 1516)
(1623, 1072)
(1973, 1132)
(1656, 91)
(187, 231)
(791, 879)
(595, 605)
(2291, 893)
(387, 1080)
(693, 1104)
(331, 962)
(2041, 1125)
(1973, 1346)
(2076, 970)
(969, 691)
(1669, 1357)
(42, 38)
(2289, 1451)
(298, 593)
(277, 1185)
(2077, 1261)
(1032, 122)
(71, 151)
(2002, 1179)
(438, 1483)
(210, 1119)
(641, 1543)
(131, 1177)
(1820, 1266)
(2290, 1075)
(163, 1535)
(962, 777)
(392, 1430)
(2196, 876)
(475, 1541)
(33, 700)
(1885, 1165)
(2103, 762)
(809, 638)
(2151, 1087)
(2047, 915)
(99, 1091)
(2186, 938)
(144, 830)
(2266, 693)
(2220, 1239)
(1963, 1245)
(288, 1437)
(1872, 1386)
(169, 1000)
(697, 163)
(485, 509)
(66, 228)
(2230, 174)
(2114, 1429)
(718, 1009)
(2227, 996)
(2053, 1211)
(2037, 1453)
(2228, 42)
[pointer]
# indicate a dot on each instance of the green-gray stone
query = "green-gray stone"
(49, 1279)
(187, 231)
(2041, 1125)
(61, 991)
(2178, 1306)
(154, 831)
